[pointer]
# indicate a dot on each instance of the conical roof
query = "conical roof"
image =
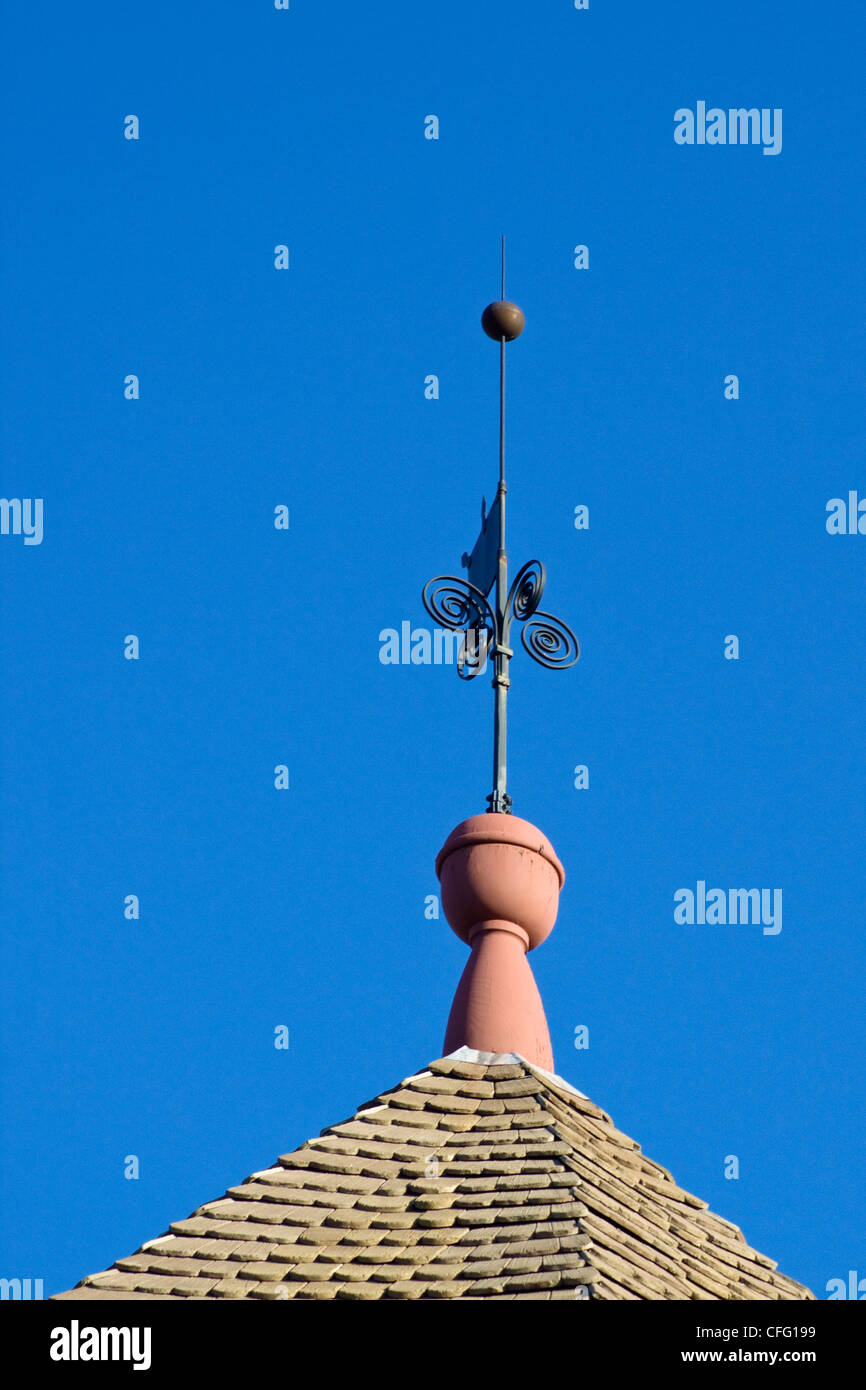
(482, 1176)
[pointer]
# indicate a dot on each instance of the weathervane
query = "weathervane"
(462, 604)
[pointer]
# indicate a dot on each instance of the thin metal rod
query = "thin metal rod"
(502, 418)
(502, 430)
(500, 800)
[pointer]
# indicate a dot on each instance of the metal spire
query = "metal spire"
(463, 604)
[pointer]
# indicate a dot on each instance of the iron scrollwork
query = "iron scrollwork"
(456, 604)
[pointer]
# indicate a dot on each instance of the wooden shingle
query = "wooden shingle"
(481, 1179)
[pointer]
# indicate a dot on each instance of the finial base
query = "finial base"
(497, 1007)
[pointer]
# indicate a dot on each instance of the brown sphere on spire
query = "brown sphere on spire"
(502, 319)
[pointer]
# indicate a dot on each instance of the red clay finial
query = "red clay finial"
(500, 884)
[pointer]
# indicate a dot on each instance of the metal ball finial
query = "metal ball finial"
(502, 319)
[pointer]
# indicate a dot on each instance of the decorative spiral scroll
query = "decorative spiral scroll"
(525, 593)
(456, 604)
(550, 641)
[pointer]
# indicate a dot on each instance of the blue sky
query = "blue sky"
(305, 387)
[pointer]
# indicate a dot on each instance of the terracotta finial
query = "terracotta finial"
(500, 882)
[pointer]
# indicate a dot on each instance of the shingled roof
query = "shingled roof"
(482, 1177)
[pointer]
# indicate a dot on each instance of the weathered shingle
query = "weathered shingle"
(472, 1179)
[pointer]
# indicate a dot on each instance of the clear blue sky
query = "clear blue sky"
(260, 647)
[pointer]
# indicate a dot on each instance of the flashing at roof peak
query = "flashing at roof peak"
(496, 1059)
